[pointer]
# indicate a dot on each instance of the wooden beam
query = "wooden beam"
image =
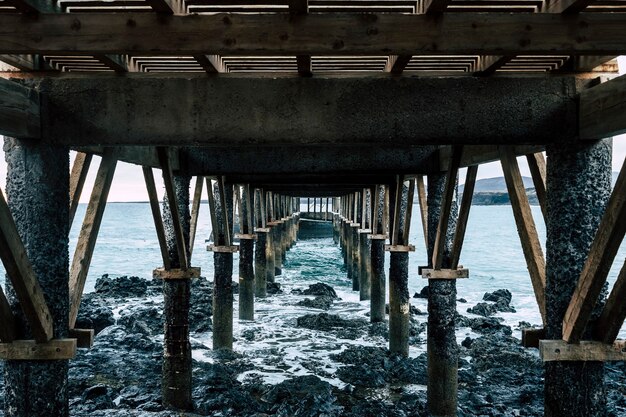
(315, 34)
(482, 154)
(397, 63)
(489, 64)
(446, 205)
(7, 320)
(435, 6)
(421, 195)
(167, 7)
(89, 233)
(19, 111)
(531, 337)
(607, 327)
(559, 350)
(195, 212)
(537, 166)
(30, 350)
(603, 110)
(168, 179)
(299, 8)
(33, 6)
(461, 224)
(77, 180)
(210, 63)
(601, 255)
(409, 212)
(529, 238)
(115, 62)
(589, 63)
(84, 337)
(156, 215)
(565, 6)
(22, 62)
(20, 273)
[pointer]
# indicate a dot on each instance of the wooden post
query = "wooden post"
(246, 258)
(421, 195)
(89, 233)
(37, 193)
(377, 256)
(354, 244)
(537, 166)
(260, 259)
(525, 226)
(195, 212)
(466, 204)
(270, 269)
(77, 180)
(578, 189)
(365, 266)
(156, 215)
(441, 339)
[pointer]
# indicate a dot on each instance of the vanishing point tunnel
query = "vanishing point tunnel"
(366, 104)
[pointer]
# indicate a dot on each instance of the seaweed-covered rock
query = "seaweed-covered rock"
(320, 288)
(94, 313)
(325, 321)
(423, 293)
(273, 288)
(322, 302)
(121, 287)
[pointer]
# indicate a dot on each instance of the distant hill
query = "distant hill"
(495, 185)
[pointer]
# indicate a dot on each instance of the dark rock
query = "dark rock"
(325, 321)
(97, 397)
(483, 325)
(94, 313)
(201, 305)
(461, 300)
(273, 288)
(323, 302)
(467, 342)
(122, 287)
(320, 288)
(147, 321)
(303, 396)
(503, 295)
(423, 293)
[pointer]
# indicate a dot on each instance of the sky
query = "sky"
(128, 183)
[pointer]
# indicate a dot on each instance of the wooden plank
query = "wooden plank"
(535, 261)
(531, 337)
(89, 233)
(77, 180)
(603, 110)
(489, 64)
(20, 273)
(168, 180)
(537, 166)
(559, 350)
(607, 327)
(156, 215)
(565, 6)
(397, 63)
(176, 273)
(315, 34)
(445, 273)
(84, 337)
(601, 255)
(446, 204)
(421, 195)
(30, 350)
(7, 320)
(19, 111)
(195, 212)
(461, 224)
(223, 249)
(400, 248)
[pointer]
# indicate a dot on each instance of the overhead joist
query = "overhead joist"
(603, 110)
(19, 111)
(315, 34)
(188, 110)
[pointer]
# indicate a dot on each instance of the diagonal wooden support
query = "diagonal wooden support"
(77, 180)
(156, 215)
(168, 179)
(601, 255)
(612, 318)
(537, 165)
(397, 63)
(446, 204)
(533, 253)
(7, 320)
(222, 196)
(301, 7)
(22, 277)
(195, 212)
(461, 224)
(421, 195)
(89, 233)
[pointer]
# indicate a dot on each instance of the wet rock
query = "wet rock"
(323, 302)
(97, 397)
(273, 288)
(461, 300)
(303, 396)
(121, 287)
(201, 305)
(413, 405)
(501, 300)
(483, 309)
(94, 313)
(423, 293)
(320, 288)
(467, 342)
(412, 309)
(138, 319)
(483, 325)
(326, 322)
(502, 295)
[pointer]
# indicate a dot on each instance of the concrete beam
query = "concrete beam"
(19, 111)
(237, 111)
(603, 110)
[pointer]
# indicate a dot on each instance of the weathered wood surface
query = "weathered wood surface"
(559, 350)
(29, 350)
(531, 337)
(77, 180)
(176, 273)
(89, 233)
(537, 166)
(601, 255)
(421, 195)
(20, 273)
(461, 224)
(19, 111)
(603, 110)
(445, 273)
(156, 215)
(612, 318)
(84, 337)
(315, 34)
(195, 212)
(535, 261)
(7, 320)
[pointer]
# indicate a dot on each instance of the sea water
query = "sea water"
(127, 245)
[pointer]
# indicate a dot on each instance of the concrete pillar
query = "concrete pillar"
(399, 291)
(223, 280)
(270, 265)
(38, 196)
(377, 258)
(277, 246)
(441, 340)
(365, 267)
(176, 372)
(578, 188)
(246, 260)
(260, 264)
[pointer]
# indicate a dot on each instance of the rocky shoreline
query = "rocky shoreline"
(120, 375)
